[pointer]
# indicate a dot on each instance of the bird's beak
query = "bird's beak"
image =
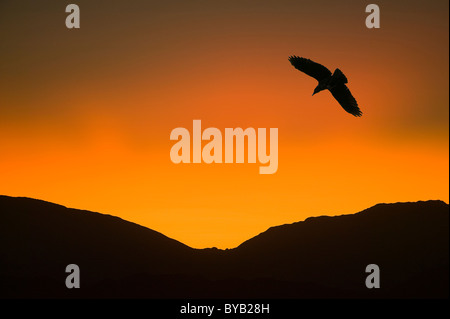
(314, 93)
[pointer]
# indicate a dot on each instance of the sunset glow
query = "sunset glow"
(86, 115)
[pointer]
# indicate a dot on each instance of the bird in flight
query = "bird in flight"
(335, 82)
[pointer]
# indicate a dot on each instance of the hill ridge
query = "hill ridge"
(319, 257)
(308, 219)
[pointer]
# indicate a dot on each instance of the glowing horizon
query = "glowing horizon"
(86, 115)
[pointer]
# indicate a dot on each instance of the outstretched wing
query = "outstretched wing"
(345, 98)
(316, 70)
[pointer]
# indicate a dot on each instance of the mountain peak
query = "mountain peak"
(322, 257)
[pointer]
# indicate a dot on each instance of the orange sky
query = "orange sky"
(86, 115)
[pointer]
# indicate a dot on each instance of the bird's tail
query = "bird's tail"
(339, 77)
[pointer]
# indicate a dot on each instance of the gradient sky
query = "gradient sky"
(86, 115)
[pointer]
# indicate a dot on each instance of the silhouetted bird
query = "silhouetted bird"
(335, 82)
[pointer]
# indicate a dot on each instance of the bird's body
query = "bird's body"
(334, 82)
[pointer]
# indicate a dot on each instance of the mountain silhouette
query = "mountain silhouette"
(320, 257)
